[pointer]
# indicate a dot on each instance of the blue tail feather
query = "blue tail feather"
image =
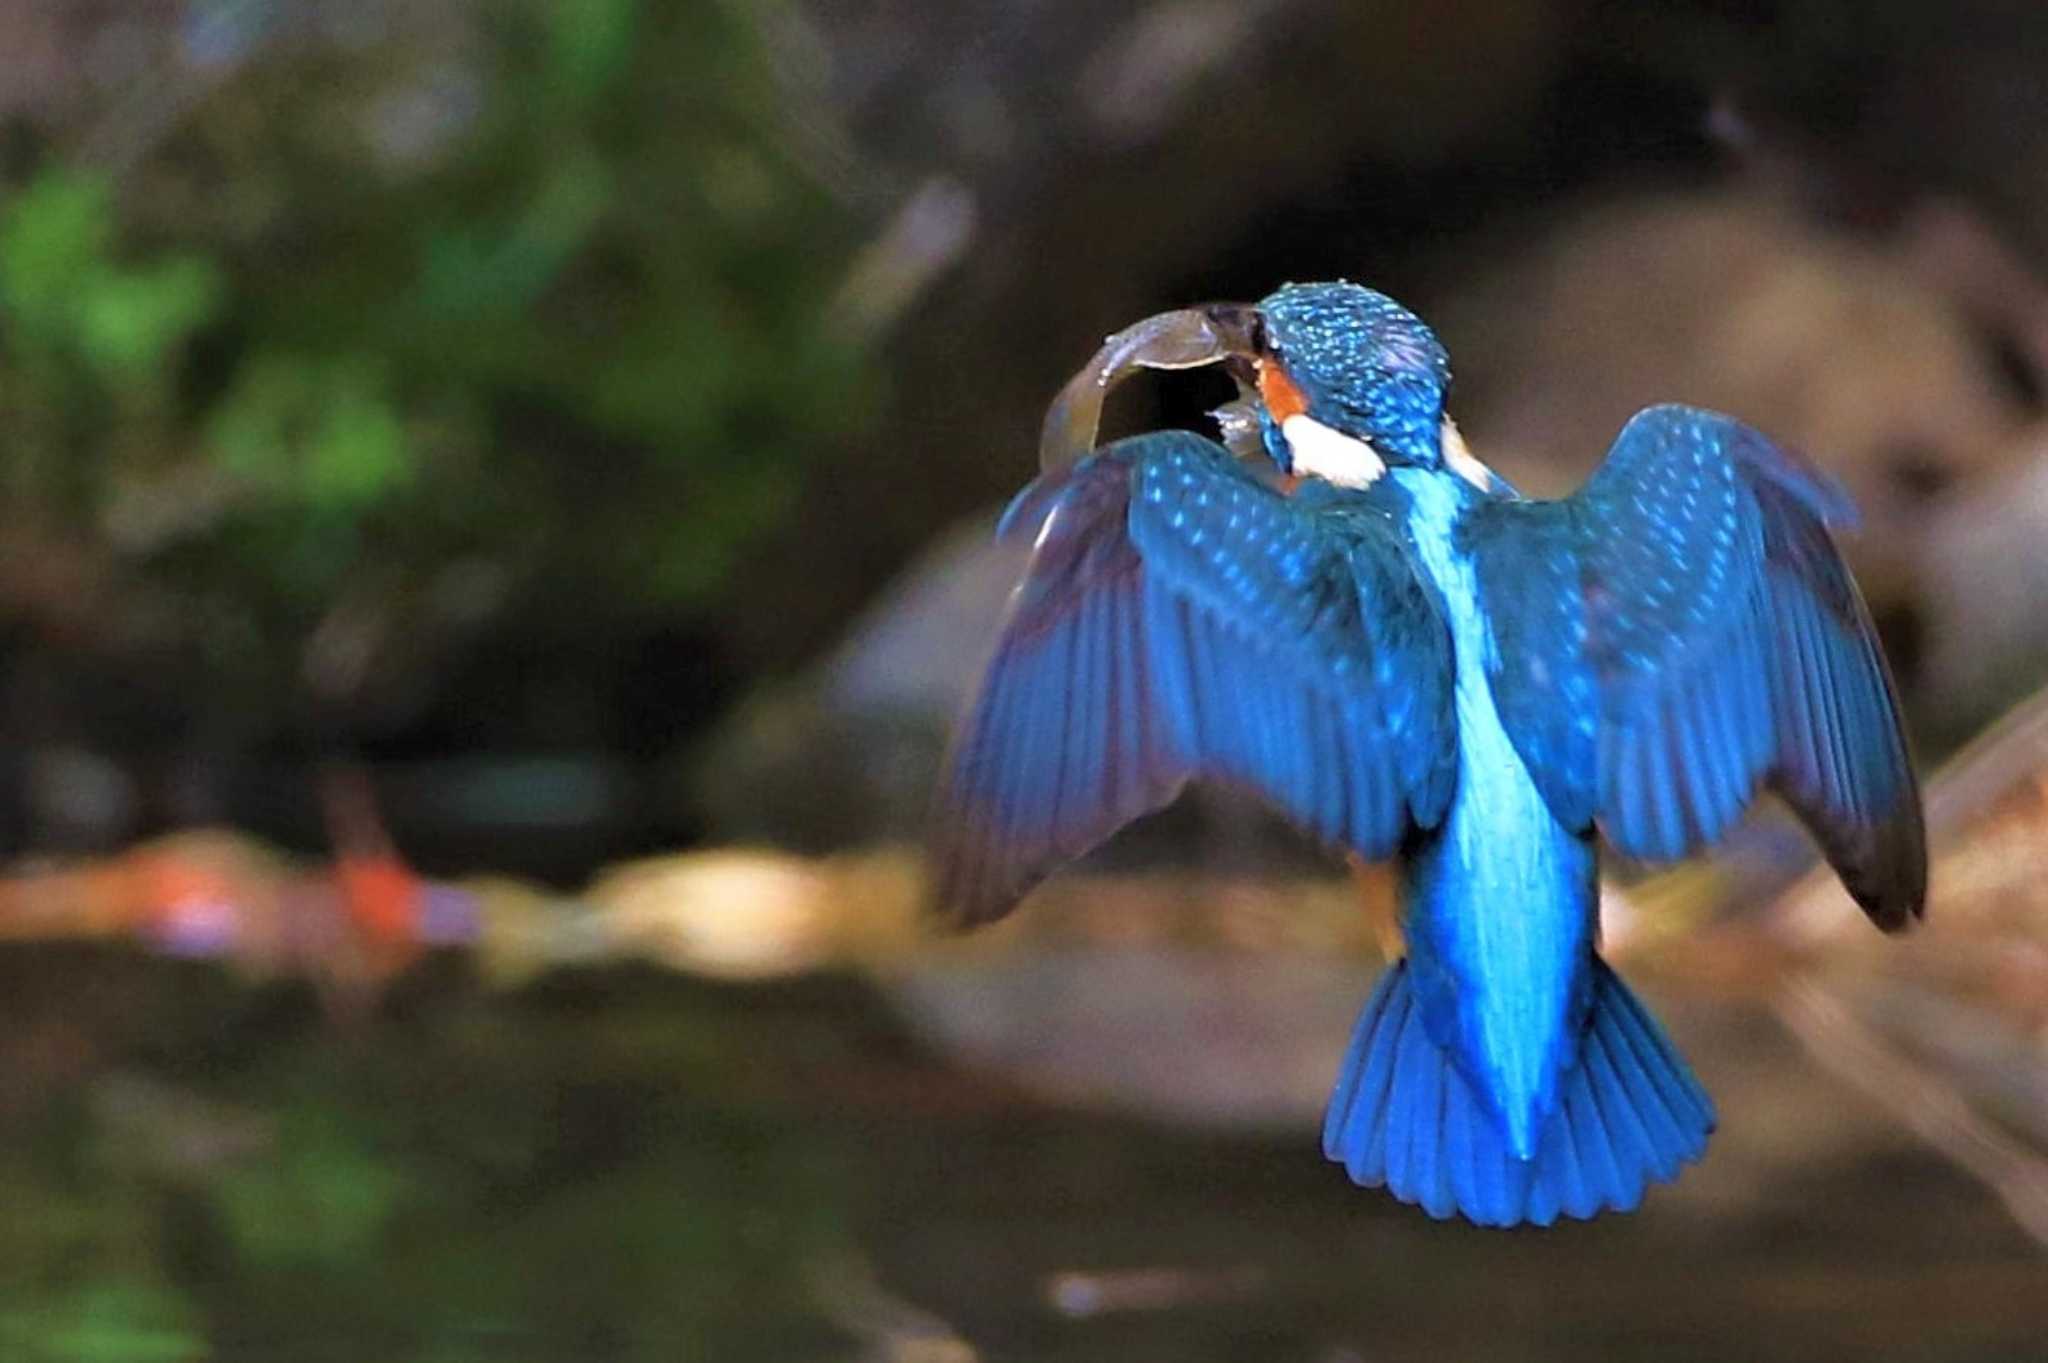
(1403, 1117)
(1354, 1132)
(1351, 1074)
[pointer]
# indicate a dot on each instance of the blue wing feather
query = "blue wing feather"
(1178, 618)
(1725, 644)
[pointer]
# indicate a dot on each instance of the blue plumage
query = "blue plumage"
(1501, 903)
(1366, 363)
(1425, 665)
(1179, 618)
(1405, 1118)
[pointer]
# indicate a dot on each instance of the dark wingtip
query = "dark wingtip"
(1892, 885)
(965, 888)
(948, 916)
(957, 912)
(1893, 916)
(1903, 904)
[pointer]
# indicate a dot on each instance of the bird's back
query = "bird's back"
(1502, 898)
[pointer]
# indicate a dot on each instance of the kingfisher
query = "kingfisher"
(1339, 608)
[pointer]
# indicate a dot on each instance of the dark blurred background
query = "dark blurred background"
(466, 468)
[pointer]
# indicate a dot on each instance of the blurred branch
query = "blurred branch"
(1949, 242)
(1925, 1102)
(926, 237)
(891, 1329)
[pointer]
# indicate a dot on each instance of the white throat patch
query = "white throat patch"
(1330, 454)
(1459, 459)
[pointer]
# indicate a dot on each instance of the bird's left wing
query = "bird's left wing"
(1683, 630)
(1177, 619)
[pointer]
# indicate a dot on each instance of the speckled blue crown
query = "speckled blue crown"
(1368, 366)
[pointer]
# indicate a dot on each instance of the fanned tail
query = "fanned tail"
(1404, 1118)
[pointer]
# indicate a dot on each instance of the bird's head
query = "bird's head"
(1334, 380)
(1354, 363)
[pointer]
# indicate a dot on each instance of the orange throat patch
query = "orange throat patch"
(1282, 396)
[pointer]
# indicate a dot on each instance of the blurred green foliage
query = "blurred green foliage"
(324, 1198)
(512, 1178)
(70, 304)
(106, 1322)
(82, 1276)
(550, 297)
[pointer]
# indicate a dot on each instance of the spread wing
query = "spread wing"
(1689, 608)
(1177, 619)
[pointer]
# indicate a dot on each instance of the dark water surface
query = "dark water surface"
(625, 1164)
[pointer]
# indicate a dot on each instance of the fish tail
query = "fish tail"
(1404, 1118)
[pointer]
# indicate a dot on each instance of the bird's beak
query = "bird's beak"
(1186, 339)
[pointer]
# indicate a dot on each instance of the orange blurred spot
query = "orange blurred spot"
(166, 885)
(1283, 398)
(382, 896)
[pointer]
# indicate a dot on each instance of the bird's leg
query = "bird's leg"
(1379, 891)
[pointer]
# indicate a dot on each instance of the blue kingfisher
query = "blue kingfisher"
(1412, 661)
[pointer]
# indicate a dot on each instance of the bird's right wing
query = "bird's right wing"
(1178, 618)
(1689, 615)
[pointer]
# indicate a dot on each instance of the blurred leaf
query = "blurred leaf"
(589, 43)
(502, 271)
(359, 452)
(321, 431)
(129, 320)
(104, 1322)
(55, 234)
(321, 1197)
(64, 294)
